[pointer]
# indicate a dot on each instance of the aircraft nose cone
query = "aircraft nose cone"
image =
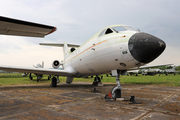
(145, 47)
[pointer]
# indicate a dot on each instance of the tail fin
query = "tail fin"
(173, 67)
(42, 64)
(65, 50)
(65, 47)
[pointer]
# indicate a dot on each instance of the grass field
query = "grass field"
(170, 80)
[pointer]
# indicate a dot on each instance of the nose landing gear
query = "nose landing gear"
(116, 91)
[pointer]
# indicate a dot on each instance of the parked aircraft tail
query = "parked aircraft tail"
(65, 47)
(42, 64)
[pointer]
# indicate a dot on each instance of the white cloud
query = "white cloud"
(31, 55)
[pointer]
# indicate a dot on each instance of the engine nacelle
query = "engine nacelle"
(56, 64)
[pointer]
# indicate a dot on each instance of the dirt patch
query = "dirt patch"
(50, 100)
(101, 110)
(20, 93)
(51, 91)
(172, 107)
(44, 114)
(7, 107)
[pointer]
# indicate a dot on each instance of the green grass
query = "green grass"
(170, 80)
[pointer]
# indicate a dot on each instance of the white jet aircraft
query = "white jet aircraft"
(39, 76)
(114, 49)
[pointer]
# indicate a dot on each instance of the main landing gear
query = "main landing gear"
(39, 77)
(30, 77)
(54, 81)
(97, 81)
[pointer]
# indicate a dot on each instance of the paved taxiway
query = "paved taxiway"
(76, 101)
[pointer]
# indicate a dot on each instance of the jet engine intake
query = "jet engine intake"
(56, 64)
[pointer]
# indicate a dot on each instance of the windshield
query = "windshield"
(122, 28)
(129, 28)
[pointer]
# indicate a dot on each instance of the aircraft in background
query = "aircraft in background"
(133, 72)
(39, 76)
(170, 71)
(115, 49)
(151, 71)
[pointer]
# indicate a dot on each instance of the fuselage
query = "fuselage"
(110, 49)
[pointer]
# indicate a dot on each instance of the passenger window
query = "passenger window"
(108, 31)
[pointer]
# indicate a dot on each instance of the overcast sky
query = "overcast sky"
(78, 20)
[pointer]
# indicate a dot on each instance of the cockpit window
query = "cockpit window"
(108, 31)
(129, 28)
(119, 28)
(102, 33)
(122, 28)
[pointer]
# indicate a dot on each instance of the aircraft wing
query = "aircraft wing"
(151, 66)
(36, 70)
(9, 26)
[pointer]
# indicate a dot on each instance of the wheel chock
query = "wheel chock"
(132, 100)
(108, 96)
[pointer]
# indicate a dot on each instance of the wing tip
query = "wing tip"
(53, 30)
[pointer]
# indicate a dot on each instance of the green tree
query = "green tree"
(177, 68)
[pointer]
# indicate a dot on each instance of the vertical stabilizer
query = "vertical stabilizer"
(42, 64)
(173, 67)
(65, 50)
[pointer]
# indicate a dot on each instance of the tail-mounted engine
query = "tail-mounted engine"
(56, 64)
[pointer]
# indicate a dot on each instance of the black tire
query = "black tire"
(54, 82)
(117, 94)
(31, 78)
(97, 79)
(49, 77)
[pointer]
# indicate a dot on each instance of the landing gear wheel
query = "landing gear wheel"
(54, 82)
(97, 80)
(38, 78)
(116, 91)
(30, 77)
(116, 94)
(49, 77)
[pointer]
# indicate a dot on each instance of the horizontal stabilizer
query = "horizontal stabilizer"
(58, 45)
(9, 26)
